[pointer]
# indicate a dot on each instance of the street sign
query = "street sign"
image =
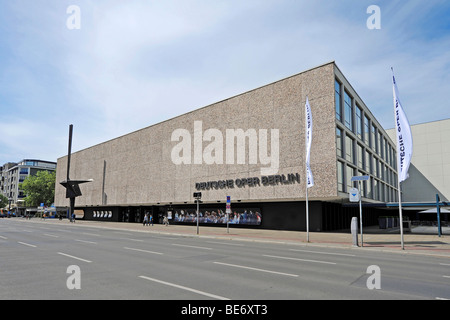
(354, 195)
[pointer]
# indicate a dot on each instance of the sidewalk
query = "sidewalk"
(374, 238)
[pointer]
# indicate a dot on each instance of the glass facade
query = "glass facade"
(362, 148)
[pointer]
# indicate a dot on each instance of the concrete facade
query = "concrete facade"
(430, 165)
(164, 164)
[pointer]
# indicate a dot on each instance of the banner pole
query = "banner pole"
(307, 216)
(400, 212)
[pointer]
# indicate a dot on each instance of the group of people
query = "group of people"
(148, 218)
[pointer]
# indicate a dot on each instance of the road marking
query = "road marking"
(141, 250)
(195, 247)
(297, 259)
(446, 276)
(68, 255)
(50, 235)
(226, 243)
(331, 253)
(4, 238)
(437, 298)
(27, 244)
(444, 264)
(185, 288)
(85, 241)
(256, 269)
(130, 239)
(92, 234)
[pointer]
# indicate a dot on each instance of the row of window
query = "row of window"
(363, 150)
(374, 188)
(363, 158)
(353, 118)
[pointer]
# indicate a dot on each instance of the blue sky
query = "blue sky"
(138, 62)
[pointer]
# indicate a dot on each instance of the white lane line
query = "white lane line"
(195, 247)
(92, 234)
(446, 277)
(210, 295)
(330, 253)
(256, 269)
(4, 238)
(444, 264)
(73, 257)
(226, 243)
(85, 241)
(297, 259)
(131, 239)
(50, 235)
(27, 244)
(141, 250)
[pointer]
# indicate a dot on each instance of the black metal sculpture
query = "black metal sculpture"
(72, 186)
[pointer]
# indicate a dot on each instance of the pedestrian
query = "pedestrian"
(151, 219)
(145, 220)
(166, 221)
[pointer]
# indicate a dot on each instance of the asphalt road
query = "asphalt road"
(37, 261)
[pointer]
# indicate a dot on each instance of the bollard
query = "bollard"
(354, 229)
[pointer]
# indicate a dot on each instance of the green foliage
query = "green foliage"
(3, 201)
(39, 189)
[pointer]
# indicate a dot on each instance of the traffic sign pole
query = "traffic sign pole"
(228, 213)
(359, 179)
(360, 212)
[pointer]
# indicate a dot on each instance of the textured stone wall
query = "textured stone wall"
(140, 170)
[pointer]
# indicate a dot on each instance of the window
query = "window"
(393, 157)
(367, 162)
(373, 138)
(349, 149)
(380, 144)
(350, 174)
(348, 111)
(337, 98)
(339, 142)
(340, 176)
(358, 122)
(386, 151)
(360, 154)
(366, 131)
(369, 193)
(375, 190)
(382, 195)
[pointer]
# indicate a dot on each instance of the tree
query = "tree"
(3, 201)
(39, 188)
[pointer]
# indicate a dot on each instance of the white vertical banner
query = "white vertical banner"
(309, 127)
(404, 136)
(404, 148)
(309, 177)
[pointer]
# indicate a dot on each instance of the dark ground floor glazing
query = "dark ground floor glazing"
(323, 216)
